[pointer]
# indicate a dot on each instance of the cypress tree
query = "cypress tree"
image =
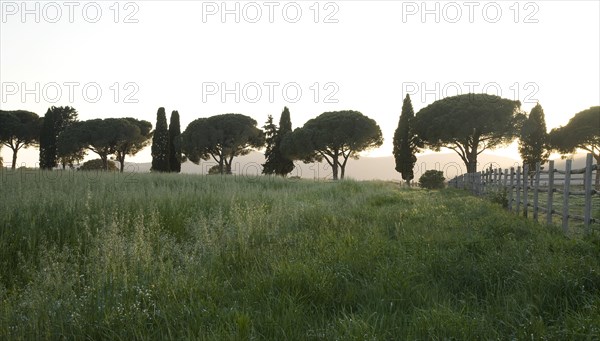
(160, 143)
(284, 165)
(276, 162)
(174, 146)
(534, 142)
(405, 142)
(48, 141)
(270, 134)
(54, 122)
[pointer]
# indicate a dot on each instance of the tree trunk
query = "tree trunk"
(597, 172)
(122, 162)
(532, 175)
(471, 166)
(343, 165)
(472, 160)
(334, 167)
(14, 161)
(342, 171)
(104, 159)
(335, 170)
(229, 164)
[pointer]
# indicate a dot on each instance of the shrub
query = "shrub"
(432, 179)
(96, 164)
(499, 196)
(215, 170)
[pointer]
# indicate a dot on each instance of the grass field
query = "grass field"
(136, 256)
(576, 207)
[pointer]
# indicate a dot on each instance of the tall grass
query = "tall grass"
(208, 257)
(576, 207)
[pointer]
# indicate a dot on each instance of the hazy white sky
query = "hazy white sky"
(360, 55)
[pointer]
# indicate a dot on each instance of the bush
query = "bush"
(96, 164)
(215, 170)
(499, 196)
(432, 179)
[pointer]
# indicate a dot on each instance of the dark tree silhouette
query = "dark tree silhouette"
(160, 143)
(102, 136)
(98, 164)
(335, 137)
(71, 158)
(270, 130)
(469, 124)
(432, 179)
(174, 144)
(582, 132)
(19, 129)
(55, 121)
(276, 162)
(48, 136)
(533, 142)
(221, 137)
(406, 144)
(133, 137)
(86, 135)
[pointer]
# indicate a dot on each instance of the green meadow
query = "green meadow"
(90, 256)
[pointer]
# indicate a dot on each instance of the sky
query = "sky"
(203, 58)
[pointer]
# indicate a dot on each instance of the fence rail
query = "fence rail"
(522, 185)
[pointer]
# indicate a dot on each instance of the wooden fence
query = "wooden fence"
(535, 191)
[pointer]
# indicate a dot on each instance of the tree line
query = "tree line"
(467, 124)
(331, 136)
(472, 123)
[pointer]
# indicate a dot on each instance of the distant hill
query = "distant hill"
(578, 162)
(365, 168)
(449, 163)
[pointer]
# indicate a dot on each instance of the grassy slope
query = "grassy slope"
(167, 256)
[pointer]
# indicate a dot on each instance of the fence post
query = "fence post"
(518, 188)
(525, 189)
(510, 193)
(565, 208)
(536, 189)
(587, 187)
(470, 182)
(484, 181)
(499, 179)
(550, 192)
